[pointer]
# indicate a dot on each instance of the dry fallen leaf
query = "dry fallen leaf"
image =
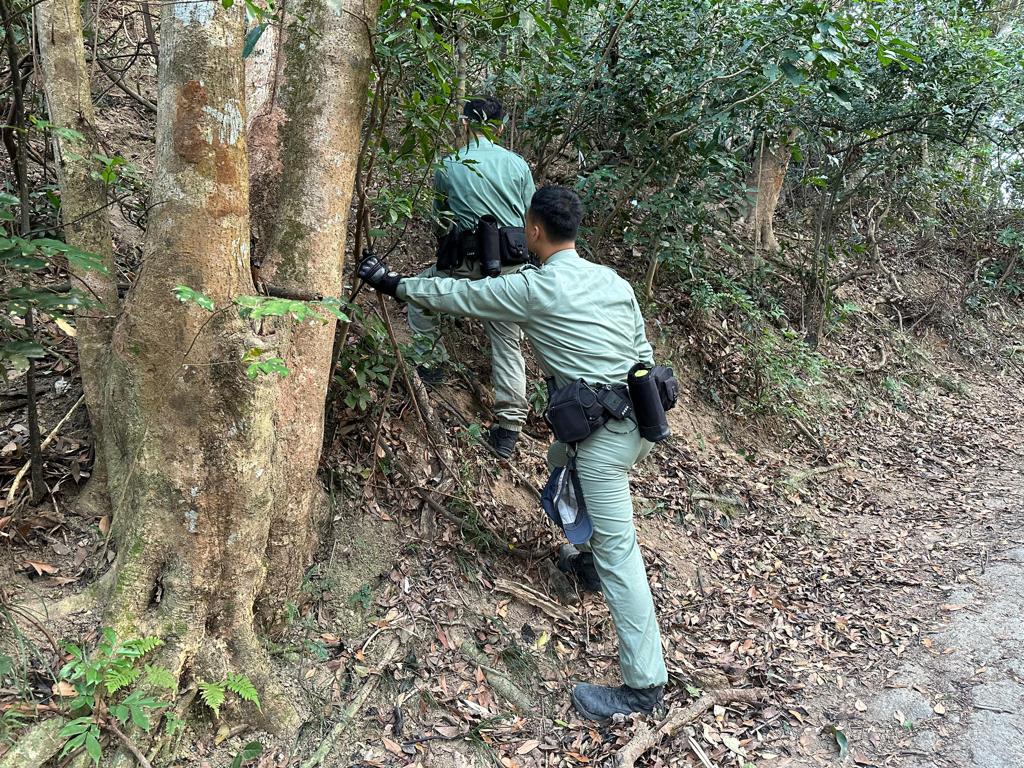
(527, 746)
(65, 326)
(41, 568)
(63, 688)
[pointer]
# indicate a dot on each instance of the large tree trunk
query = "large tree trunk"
(316, 123)
(764, 185)
(190, 440)
(83, 201)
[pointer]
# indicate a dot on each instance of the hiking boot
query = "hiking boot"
(600, 702)
(432, 377)
(503, 441)
(581, 565)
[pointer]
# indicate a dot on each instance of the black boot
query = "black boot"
(432, 377)
(581, 565)
(502, 440)
(600, 702)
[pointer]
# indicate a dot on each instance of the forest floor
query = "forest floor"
(866, 570)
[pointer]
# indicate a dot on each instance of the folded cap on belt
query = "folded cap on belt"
(563, 502)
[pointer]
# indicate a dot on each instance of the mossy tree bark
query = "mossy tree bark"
(83, 203)
(190, 448)
(313, 127)
(212, 476)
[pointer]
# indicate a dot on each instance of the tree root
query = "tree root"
(36, 747)
(85, 600)
(354, 706)
(498, 680)
(645, 738)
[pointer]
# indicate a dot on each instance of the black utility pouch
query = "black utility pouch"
(513, 246)
(467, 247)
(668, 387)
(448, 257)
(574, 412)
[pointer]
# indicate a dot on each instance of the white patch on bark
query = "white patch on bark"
(195, 11)
(192, 521)
(229, 121)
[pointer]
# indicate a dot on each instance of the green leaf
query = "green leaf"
(159, 677)
(118, 677)
(212, 695)
(248, 753)
(267, 367)
(334, 307)
(184, 294)
(75, 727)
(251, 39)
(242, 687)
(140, 718)
(93, 748)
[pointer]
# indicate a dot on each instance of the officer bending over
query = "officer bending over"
(482, 182)
(583, 322)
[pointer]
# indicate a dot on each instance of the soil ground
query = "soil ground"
(867, 571)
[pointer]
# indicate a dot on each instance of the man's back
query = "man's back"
(484, 178)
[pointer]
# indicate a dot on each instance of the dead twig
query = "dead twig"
(49, 439)
(645, 738)
(534, 598)
(353, 708)
(141, 758)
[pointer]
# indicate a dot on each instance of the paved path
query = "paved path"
(957, 701)
(963, 702)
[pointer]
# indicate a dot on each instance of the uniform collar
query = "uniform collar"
(479, 142)
(563, 255)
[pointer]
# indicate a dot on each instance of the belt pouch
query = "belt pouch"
(513, 246)
(574, 412)
(448, 251)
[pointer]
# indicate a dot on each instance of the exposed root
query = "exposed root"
(498, 680)
(87, 599)
(645, 739)
(36, 747)
(354, 706)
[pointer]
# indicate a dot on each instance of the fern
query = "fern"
(242, 687)
(212, 695)
(118, 676)
(160, 677)
(141, 646)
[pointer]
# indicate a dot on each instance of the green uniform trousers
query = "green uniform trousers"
(508, 369)
(603, 461)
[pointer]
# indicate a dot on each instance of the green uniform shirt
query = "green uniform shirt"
(483, 178)
(582, 319)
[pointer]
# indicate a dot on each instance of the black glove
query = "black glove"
(374, 271)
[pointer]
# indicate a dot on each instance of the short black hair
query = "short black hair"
(483, 110)
(559, 210)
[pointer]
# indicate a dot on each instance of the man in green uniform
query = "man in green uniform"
(583, 322)
(481, 179)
